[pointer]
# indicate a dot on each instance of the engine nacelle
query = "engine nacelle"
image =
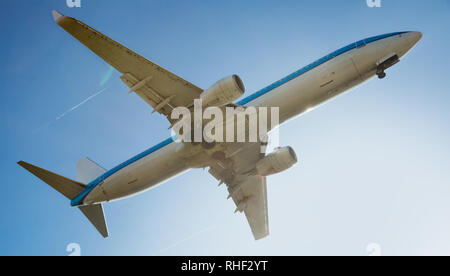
(223, 92)
(279, 160)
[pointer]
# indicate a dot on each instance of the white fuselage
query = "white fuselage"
(294, 95)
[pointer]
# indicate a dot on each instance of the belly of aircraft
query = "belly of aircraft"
(312, 88)
(140, 176)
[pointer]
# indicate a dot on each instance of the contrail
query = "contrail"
(72, 109)
(80, 104)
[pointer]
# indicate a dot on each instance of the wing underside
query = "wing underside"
(160, 88)
(249, 192)
(254, 197)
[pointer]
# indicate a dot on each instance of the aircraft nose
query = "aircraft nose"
(403, 44)
(414, 37)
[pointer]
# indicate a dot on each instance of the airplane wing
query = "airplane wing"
(249, 192)
(157, 86)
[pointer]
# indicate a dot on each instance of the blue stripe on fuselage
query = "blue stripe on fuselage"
(91, 186)
(314, 65)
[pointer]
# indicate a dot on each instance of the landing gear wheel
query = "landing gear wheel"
(381, 75)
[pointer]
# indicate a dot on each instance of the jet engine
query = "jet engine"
(279, 160)
(223, 92)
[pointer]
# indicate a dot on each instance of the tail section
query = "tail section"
(71, 189)
(87, 171)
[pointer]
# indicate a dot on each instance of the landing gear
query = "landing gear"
(386, 63)
(381, 74)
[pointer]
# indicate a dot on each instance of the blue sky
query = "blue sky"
(374, 163)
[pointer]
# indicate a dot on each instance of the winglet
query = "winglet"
(57, 16)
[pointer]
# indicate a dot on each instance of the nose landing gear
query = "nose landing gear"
(385, 63)
(381, 74)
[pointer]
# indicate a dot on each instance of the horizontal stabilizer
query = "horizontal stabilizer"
(96, 216)
(65, 186)
(71, 189)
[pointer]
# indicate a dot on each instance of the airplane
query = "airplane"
(229, 163)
